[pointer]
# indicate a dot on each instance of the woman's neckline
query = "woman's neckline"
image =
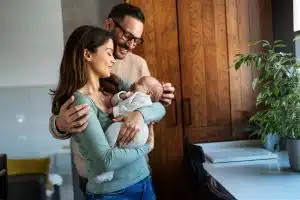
(80, 93)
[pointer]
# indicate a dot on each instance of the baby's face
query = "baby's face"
(150, 86)
(139, 86)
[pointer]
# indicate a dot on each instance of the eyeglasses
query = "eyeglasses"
(128, 36)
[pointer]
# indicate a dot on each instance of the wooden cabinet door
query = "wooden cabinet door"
(204, 69)
(247, 20)
(160, 50)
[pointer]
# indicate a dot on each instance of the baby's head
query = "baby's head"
(150, 86)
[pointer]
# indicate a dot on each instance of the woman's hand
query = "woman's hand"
(125, 95)
(133, 123)
(150, 140)
(72, 119)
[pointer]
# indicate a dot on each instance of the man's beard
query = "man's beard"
(124, 46)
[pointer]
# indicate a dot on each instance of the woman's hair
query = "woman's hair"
(73, 70)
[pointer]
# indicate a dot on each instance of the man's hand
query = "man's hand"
(168, 94)
(72, 119)
(133, 123)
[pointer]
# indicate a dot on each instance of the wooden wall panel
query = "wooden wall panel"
(240, 81)
(204, 69)
(247, 20)
(211, 97)
(260, 15)
(161, 52)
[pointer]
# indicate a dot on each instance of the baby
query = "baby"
(143, 92)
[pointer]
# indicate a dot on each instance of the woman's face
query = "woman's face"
(102, 60)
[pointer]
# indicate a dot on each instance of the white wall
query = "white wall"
(31, 42)
(296, 8)
(89, 12)
(24, 116)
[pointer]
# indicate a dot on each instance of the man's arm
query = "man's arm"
(74, 119)
(53, 130)
(71, 119)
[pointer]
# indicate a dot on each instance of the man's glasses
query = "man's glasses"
(128, 36)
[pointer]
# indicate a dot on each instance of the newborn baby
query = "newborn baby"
(142, 93)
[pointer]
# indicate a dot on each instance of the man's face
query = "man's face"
(127, 35)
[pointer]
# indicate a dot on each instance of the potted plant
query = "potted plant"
(278, 99)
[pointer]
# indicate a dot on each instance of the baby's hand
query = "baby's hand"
(125, 95)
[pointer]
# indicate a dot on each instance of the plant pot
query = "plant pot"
(272, 142)
(293, 148)
(282, 143)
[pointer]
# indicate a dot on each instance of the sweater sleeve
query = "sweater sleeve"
(94, 145)
(152, 113)
(132, 103)
(53, 129)
(116, 99)
(144, 68)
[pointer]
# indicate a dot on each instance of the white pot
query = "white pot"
(293, 148)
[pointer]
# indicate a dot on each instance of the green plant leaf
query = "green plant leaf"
(280, 45)
(258, 62)
(276, 91)
(238, 64)
(254, 82)
(278, 42)
(265, 43)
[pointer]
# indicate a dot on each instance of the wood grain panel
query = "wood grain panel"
(204, 64)
(247, 20)
(161, 53)
(238, 38)
(262, 19)
(209, 133)
(215, 96)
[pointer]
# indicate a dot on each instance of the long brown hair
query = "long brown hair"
(73, 70)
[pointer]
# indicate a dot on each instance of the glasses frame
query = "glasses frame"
(127, 36)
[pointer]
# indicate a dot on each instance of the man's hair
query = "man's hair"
(121, 10)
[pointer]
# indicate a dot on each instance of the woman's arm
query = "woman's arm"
(79, 120)
(93, 144)
(153, 113)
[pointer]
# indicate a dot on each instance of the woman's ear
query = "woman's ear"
(87, 55)
(109, 24)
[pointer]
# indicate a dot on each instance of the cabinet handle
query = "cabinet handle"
(174, 107)
(187, 111)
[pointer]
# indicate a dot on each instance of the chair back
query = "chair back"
(28, 178)
(3, 177)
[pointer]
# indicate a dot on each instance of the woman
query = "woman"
(88, 57)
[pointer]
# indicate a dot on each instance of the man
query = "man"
(127, 23)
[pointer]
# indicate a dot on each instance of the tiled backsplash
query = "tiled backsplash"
(24, 114)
